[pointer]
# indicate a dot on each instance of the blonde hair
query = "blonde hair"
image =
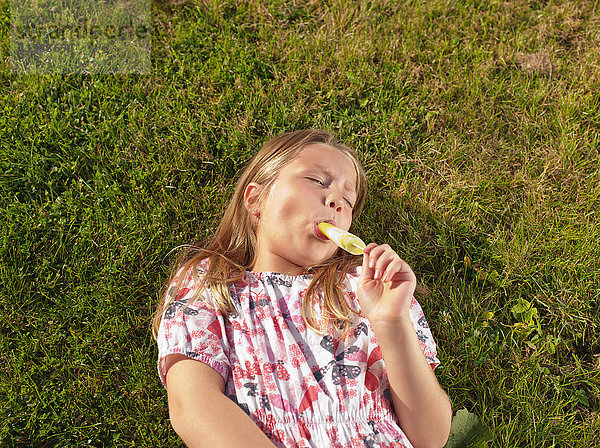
(232, 249)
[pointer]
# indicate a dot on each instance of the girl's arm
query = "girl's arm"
(201, 413)
(422, 407)
(385, 292)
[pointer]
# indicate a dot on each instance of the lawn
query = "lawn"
(478, 123)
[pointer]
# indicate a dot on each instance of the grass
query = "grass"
(478, 123)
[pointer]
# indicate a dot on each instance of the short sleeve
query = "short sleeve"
(426, 341)
(195, 330)
(417, 317)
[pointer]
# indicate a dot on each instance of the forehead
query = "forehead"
(330, 160)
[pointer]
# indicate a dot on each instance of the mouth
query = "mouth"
(320, 234)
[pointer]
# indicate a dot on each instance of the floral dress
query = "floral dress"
(301, 388)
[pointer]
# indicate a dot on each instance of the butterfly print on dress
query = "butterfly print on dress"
(179, 304)
(279, 281)
(271, 362)
(262, 302)
(263, 399)
(360, 328)
(338, 369)
(370, 441)
(421, 336)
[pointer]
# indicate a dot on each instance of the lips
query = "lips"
(320, 234)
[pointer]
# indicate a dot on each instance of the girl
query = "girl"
(270, 335)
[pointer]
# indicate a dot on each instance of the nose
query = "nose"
(336, 205)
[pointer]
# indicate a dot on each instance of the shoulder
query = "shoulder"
(187, 282)
(185, 272)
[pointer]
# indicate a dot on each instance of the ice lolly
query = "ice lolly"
(345, 240)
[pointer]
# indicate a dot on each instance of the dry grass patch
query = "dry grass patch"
(538, 63)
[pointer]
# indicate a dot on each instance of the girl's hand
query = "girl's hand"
(386, 285)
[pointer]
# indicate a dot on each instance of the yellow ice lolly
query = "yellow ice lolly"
(345, 240)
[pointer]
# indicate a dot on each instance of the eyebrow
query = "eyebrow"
(347, 185)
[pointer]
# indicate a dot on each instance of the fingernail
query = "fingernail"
(372, 264)
(377, 275)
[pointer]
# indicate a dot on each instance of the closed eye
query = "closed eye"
(321, 183)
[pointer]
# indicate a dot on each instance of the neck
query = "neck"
(277, 264)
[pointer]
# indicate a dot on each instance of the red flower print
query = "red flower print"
(278, 436)
(270, 423)
(282, 372)
(294, 383)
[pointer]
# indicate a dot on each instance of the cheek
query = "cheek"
(284, 206)
(348, 219)
(283, 213)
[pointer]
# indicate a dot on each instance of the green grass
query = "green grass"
(478, 123)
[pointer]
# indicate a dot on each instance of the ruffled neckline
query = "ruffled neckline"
(271, 274)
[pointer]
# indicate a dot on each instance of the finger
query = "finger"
(375, 252)
(369, 248)
(385, 264)
(367, 268)
(380, 258)
(404, 274)
(393, 269)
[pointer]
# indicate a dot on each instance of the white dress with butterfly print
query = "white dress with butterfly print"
(301, 388)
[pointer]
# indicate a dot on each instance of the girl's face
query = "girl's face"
(318, 185)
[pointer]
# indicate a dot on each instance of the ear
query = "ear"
(251, 198)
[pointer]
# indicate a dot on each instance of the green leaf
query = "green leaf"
(525, 311)
(467, 431)
(487, 315)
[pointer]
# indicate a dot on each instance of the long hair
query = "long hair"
(232, 249)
